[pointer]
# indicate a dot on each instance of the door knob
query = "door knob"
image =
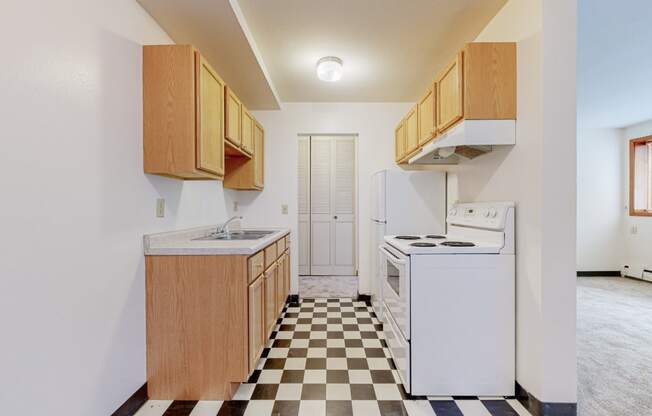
(334, 217)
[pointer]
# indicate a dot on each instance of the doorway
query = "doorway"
(328, 255)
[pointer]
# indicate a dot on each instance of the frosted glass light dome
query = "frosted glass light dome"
(329, 69)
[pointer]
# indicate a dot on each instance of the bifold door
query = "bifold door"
(327, 205)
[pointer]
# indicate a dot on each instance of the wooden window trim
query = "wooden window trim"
(646, 140)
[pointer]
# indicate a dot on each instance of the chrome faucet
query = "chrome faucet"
(223, 228)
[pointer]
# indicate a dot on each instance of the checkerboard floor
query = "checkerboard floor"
(328, 357)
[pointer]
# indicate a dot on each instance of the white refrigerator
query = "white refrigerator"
(403, 202)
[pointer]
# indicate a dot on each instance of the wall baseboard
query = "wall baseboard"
(135, 402)
(539, 408)
(610, 273)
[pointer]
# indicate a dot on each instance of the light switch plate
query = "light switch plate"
(236, 205)
(284, 209)
(160, 207)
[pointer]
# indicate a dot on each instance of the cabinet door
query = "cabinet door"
(286, 273)
(412, 130)
(247, 131)
(259, 156)
(210, 118)
(450, 94)
(233, 115)
(399, 137)
(270, 299)
(280, 284)
(256, 321)
(426, 116)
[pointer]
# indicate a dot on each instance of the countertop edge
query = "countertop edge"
(169, 248)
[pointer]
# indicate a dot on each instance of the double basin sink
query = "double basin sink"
(236, 235)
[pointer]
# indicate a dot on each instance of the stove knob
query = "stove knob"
(486, 213)
(493, 213)
(452, 212)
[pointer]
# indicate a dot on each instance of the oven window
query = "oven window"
(393, 277)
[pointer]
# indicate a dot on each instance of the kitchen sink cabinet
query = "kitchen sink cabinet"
(270, 298)
(257, 333)
(183, 114)
(209, 318)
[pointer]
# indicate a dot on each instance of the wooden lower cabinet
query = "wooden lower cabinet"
(270, 298)
(281, 294)
(257, 333)
(208, 320)
(288, 268)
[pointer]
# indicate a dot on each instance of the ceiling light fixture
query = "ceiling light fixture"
(329, 69)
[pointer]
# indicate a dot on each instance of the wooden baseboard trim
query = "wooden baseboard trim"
(133, 403)
(538, 408)
(609, 273)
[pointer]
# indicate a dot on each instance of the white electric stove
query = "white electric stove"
(449, 302)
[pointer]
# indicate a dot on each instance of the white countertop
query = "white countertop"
(180, 243)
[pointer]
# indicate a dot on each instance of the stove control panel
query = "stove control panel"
(487, 215)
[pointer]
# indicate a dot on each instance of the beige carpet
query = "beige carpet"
(614, 346)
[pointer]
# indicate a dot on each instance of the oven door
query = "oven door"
(396, 287)
(399, 348)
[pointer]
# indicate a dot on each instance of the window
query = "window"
(640, 176)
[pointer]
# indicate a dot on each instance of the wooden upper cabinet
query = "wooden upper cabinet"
(248, 173)
(210, 118)
(450, 94)
(490, 81)
(259, 156)
(247, 131)
(233, 116)
(480, 84)
(412, 131)
(426, 109)
(399, 140)
(183, 115)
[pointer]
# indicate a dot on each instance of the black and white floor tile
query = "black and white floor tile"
(328, 357)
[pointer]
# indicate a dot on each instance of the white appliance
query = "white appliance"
(403, 203)
(469, 139)
(450, 304)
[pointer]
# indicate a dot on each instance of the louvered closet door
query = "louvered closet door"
(304, 205)
(332, 201)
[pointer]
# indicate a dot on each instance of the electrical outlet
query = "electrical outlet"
(235, 206)
(634, 229)
(160, 207)
(284, 209)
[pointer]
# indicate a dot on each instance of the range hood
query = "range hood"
(468, 140)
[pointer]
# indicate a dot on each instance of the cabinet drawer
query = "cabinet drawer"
(280, 246)
(270, 255)
(256, 265)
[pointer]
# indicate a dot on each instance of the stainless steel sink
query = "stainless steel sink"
(237, 235)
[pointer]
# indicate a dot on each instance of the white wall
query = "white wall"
(374, 123)
(75, 204)
(600, 192)
(539, 174)
(638, 254)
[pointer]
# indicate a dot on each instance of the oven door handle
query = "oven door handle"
(392, 257)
